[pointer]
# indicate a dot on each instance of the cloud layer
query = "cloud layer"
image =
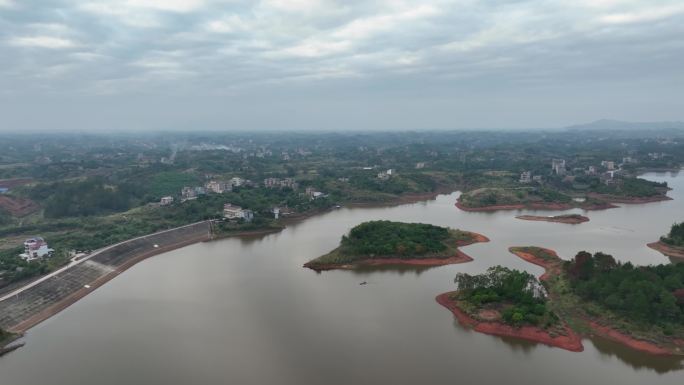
(313, 63)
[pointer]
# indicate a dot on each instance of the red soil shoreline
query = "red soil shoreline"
(460, 257)
(667, 250)
(617, 336)
(572, 341)
(554, 268)
(630, 200)
(549, 206)
(550, 267)
(557, 219)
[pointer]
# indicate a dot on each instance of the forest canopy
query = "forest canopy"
(394, 238)
(653, 294)
(676, 235)
(520, 294)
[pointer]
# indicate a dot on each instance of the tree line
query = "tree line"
(387, 238)
(521, 295)
(653, 294)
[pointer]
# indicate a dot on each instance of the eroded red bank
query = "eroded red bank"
(571, 341)
(553, 267)
(537, 206)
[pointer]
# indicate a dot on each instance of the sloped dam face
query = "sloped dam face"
(244, 311)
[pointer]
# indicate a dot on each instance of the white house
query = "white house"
(237, 181)
(526, 177)
(35, 248)
(558, 166)
(609, 164)
(165, 201)
(231, 212)
(218, 187)
(188, 193)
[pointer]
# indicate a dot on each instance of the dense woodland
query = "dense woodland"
(384, 238)
(519, 294)
(676, 235)
(650, 294)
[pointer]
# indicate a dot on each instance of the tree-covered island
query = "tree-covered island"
(510, 303)
(387, 242)
(640, 307)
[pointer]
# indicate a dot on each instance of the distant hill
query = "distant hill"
(608, 124)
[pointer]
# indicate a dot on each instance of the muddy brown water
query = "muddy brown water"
(244, 311)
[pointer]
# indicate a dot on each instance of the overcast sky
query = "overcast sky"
(323, 64)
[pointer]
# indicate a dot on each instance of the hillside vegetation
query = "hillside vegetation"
(676, 235)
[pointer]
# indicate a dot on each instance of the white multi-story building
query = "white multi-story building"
(218, 187)
(237, 181)
(188, 193)
(526, 177)
(608, 164)
(35, 248)
(165, 201)
(558, 166)
(231, 212)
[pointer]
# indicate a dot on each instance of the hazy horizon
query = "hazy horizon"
(303, 65)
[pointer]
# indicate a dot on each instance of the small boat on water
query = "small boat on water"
(364, 283)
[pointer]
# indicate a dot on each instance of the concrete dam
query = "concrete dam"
(37, 302)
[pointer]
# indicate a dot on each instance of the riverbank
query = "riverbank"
(571, 307)
(542, 206)
(570, 341)
(8, 343)
(572, 219)
(45, 299)
(667, 250)
(630, 200)
(458, 257)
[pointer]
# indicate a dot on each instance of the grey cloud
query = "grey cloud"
(331, 64)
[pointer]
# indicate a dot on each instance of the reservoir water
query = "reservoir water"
(244, 311)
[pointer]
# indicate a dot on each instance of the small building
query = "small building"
(237, 181)
(233, 212)
(608, 164)
(385, 175)
(420, 165)
(313, 194)
(165, 201)
(558, 166)
(35, 248)
(188, 193)
(289, 182)
(525, 177)
(591, 170)
(218, 187)
(276, 212)
(271, 182)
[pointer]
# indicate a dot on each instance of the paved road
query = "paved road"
(75, 262)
